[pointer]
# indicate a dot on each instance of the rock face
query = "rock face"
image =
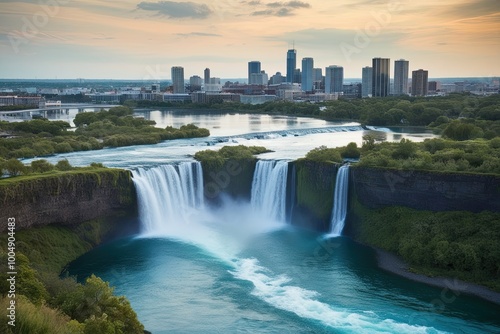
(315, 182)
(434, 191)
(234, 178)
(69, 198)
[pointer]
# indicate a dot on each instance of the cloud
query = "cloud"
(274, 4)
(199, 34)
(177, 10)
(279, 9)
(297, 4)
(474, 8)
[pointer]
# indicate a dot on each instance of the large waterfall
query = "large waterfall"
(269, 189)
(168, 195)
(340, 201)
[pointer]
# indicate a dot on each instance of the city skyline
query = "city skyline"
(143, 40)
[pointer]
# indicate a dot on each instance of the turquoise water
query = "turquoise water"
(282, 281)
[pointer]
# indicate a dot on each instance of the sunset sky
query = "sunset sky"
(133, 39)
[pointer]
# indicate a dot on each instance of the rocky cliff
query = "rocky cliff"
(315, 182)
(66, 198)
(421, 190)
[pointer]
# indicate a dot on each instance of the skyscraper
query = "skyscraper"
(253, 68)
(195, 83)
(318, 83)
(178, 79)
(206, 76)
(401, 77)
(419, 82)
(366, 81)
(307, 74)
(334, 79)
(291, 64)
(380, 76)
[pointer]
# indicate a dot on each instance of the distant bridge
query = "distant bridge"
(62, 107)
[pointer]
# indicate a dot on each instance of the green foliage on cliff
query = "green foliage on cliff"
(25, 187)
(454, 244)
(48, 304)
(216, 159)
(333, 155)
(475, 156)
(96, 130)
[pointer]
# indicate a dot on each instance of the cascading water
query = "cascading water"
(269, 189)
(168, 194)
(340, 201)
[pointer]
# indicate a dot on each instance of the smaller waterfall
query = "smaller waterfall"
(340, 201)
(168, 194)
(269, 189)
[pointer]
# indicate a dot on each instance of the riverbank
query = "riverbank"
(394, 264)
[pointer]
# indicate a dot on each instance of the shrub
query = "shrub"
(351, 151)
(63, 147)
(41, 166)
(324, 154)
(63, 165)
(14, 167)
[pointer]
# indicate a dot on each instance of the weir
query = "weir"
(168, 194)
(269, 189)
(339, 211)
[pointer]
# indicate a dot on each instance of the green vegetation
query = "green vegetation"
(112, 128)
(216, 159)
(476, 156)
(14, 167)
(453, 244)
(333, 155)
(46, 303)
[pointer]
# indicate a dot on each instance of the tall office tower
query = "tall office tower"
(366, 82)
(317, 74)
(297, 76)
(400, 77)
(318, 84)
(419, 82)
(178, 79)
(334, 79)
(380, 76)
(291, 64)
(253, 68)
(307, 74)
(206, 76)
(195, 83)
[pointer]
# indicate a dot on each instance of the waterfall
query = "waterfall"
(340, 201)
(168, 194)
(269, 189)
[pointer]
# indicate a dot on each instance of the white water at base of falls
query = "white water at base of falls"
(269, 189)
(339, 211)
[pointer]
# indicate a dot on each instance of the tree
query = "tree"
(41, 166)
(405, 149)
(14, 167)
(350, 151)
(63, 165)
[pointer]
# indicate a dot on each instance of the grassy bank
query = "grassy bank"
(453, 244)
(46, 303)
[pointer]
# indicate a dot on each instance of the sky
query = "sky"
(134, 39)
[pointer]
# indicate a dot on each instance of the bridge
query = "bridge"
(62, 107)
